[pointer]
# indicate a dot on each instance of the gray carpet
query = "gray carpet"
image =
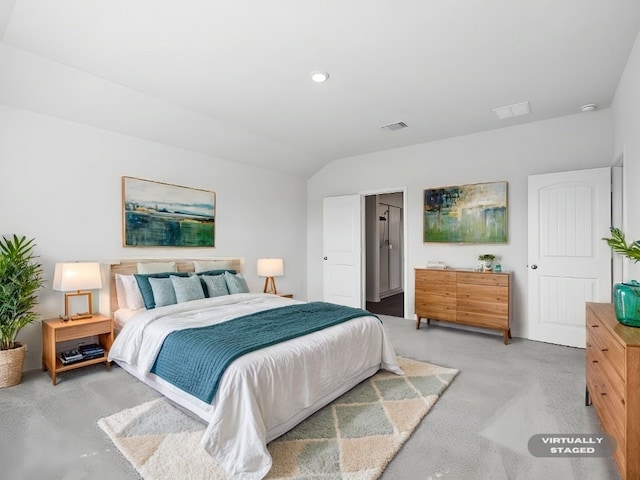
(478, 430)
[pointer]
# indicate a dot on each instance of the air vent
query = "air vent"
(395, 126)
(514, 110)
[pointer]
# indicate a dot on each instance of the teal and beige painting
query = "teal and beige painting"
(159, 214)
(475, 213)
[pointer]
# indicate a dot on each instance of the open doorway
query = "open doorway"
(384, 255)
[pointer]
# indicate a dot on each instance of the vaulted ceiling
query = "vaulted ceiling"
(230, 78)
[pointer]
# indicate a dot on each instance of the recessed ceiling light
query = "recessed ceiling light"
(319, 76)
(590, 107)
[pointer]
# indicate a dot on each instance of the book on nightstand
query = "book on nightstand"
(93, 350)
(70, 356)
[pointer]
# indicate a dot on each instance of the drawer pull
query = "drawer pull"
(594, 361)
(603, 393)
(595, 326)
(604, 349)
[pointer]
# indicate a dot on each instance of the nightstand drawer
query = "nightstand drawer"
(80, 331)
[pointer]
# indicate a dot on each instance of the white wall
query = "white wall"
(60, 183)
(569, 143)
(626, 127)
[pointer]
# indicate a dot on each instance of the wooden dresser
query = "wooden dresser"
(613, 382)
(464, 297)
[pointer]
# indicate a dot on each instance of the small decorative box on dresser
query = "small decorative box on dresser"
(465, 297)
(613, 383)
(55, 330)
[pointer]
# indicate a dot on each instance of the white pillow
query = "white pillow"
(128, 292)
(207, 265)
(157, 267)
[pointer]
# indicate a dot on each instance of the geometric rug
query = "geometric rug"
(354, 437)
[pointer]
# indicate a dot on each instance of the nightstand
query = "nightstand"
(54, 331)
(285, 295)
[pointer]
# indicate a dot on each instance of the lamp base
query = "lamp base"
(78, 316)
(270, 285)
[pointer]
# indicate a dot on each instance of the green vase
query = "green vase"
(626, 300)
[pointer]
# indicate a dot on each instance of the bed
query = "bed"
(266, 391)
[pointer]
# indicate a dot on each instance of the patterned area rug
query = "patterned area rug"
(354, 437)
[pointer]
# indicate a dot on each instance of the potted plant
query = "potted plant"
(487, 261)
(626, 296)
(20, 279)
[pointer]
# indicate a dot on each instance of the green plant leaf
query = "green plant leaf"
(20, 279)
(618, 244)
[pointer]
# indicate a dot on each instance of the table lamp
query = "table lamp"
(74, 277)
(270, 268)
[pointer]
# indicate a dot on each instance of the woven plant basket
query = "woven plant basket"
(11, 364)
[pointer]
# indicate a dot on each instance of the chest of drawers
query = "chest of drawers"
(464, 297)
(613, 382)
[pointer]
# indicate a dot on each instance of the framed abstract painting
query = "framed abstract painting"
(156, 214)
(475, 213)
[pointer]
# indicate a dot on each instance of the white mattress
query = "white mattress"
(122, 316)
(257, 399)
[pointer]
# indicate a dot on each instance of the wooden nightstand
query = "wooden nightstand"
(54, 331)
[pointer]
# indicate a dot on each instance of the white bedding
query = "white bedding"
(122, 316)
(265, 393)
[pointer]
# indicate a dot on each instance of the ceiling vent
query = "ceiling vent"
(514, 110)
(395, 126)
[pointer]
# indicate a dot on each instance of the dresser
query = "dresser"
(465, 297)
(613, 382)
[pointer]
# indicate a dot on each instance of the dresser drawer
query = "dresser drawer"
(609, 403)
(597, 354)
(484, 299)
(437, 308)
(610, 348)
(485, 320)
(483, 279)
(426, 279)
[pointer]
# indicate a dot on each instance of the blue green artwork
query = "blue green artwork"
(156, 214)
(475, 213)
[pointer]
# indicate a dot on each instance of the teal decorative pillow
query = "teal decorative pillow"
(163, 293)
(217, 272)
(236, 283)
(187, 289)
(216, 285)
(145, 286)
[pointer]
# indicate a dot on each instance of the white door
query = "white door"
(569, 263)
(342, 247)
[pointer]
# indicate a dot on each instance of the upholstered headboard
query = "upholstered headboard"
(130, 266)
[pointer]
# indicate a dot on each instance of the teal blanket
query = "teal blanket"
(194, 359)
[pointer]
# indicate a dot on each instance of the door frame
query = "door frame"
(363, 252)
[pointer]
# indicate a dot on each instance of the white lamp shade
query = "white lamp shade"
(77, 276)
(270, 267)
